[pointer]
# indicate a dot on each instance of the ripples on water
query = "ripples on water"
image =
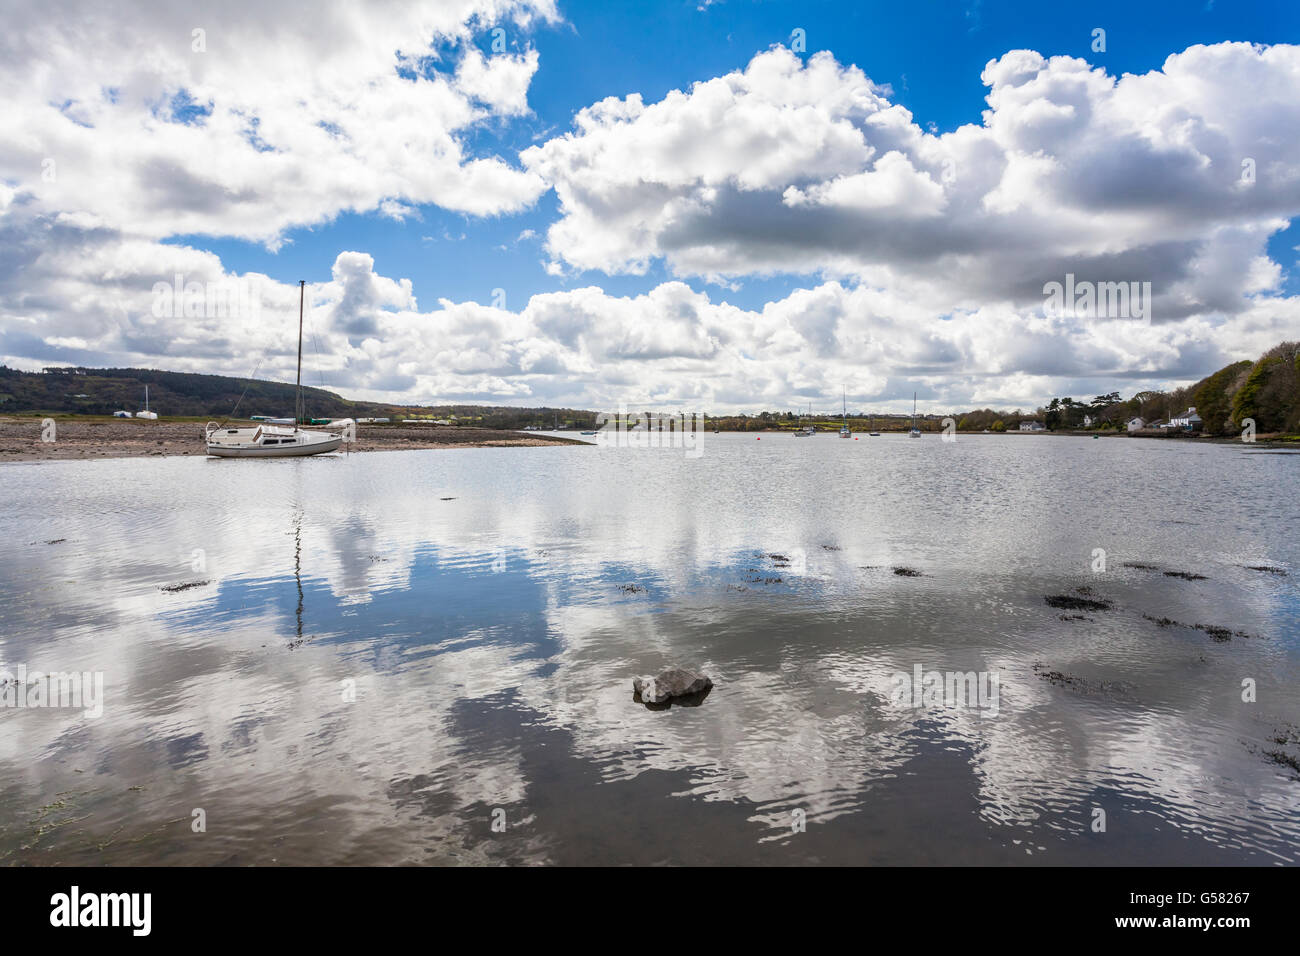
(490, 648)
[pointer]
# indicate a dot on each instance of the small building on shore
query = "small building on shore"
(1188, 420)
(1033, 427)
(1135, 424)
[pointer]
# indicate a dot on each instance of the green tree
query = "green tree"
(1213, 398)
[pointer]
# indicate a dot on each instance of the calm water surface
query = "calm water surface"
(473, 603)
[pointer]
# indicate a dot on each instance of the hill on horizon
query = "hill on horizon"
(91, 391)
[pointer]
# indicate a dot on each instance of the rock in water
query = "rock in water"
(674, 682)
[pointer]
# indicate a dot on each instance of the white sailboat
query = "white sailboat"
(266, 440)
(844, 429)
(146, 413)
(915, 432)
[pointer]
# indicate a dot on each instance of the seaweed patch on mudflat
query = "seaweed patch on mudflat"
(901, 570)
(1071, 602)
(173, 588)
(1083, 685)
(1266, 568)
(1283, 759)
(1285, 736)
(761, 575)
(1184, 575)
(1217, 632)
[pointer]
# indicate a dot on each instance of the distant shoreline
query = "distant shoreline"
(83, 440)
(1279, 440)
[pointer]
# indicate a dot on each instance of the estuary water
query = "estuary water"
(426, 657)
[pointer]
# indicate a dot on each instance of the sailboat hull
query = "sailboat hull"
(275, 451)
(265, 442)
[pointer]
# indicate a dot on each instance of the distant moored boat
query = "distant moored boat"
(146, 413)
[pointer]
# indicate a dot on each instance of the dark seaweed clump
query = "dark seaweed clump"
(1084, 685)
(1286, 734)
(632, 588)
(1140, 566)
(1058, 677)
(173, 588)
(1267, 569)
(908, 572)
(1217, 632)
(1068, 602)
(1283, 758)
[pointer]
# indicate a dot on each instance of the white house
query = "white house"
(1032, 427)
(1188, 420)
(1087, 421)
(1136, 424)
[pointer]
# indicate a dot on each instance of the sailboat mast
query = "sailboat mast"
(297, 401)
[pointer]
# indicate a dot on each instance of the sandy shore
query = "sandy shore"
(20, 439)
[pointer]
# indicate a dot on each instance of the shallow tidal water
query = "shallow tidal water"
(426, 657)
